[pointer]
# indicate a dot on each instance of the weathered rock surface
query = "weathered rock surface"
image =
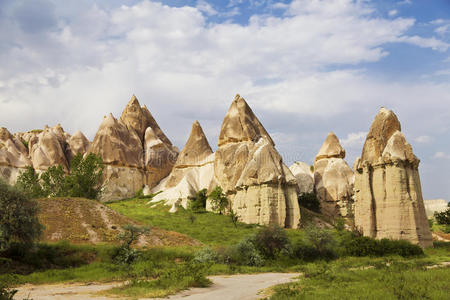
(247, 166)
(435, 205)
(193, 171)
(13, 156)
(333, 179)
(304, 177)
(388, 193)
(78, 144)
(49, 149)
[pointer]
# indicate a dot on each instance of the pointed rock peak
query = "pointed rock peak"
(240, 124)
(151, 122)
(5, 134)
(133, 101)
(196, 150)
(79, 135)
(331, 148)
(383, 127)
(398, 148)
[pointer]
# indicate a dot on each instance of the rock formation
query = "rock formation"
(304, 177)
(193, 170)
(333, 179)
(261, 188)
(13, 156)
(388, 194)
(134, 150)
(78, 144)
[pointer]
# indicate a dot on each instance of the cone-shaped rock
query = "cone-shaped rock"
(134, 117)
(78, 143)
(388, 193)
(304, 177)
(193, 170)
(151, 122)
(121, 150)
(333, 179)
(48, 149)
(13, 156)
(247, 166)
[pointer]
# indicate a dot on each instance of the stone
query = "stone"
(134, 117)
(78, 144)
(13, 156)
(260, 187)
(304, 176)
(388, 193)
(193, 170)
(333, 180)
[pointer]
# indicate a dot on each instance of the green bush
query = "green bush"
(244, 253)
(28, 183)
(54, 183)
(198, 203)
(125, 254)
(271, 240)
(443, 218)
(18, 218)
(219, 201)
(86, 176)
(206, 255)
(318, 243)
(309, 201)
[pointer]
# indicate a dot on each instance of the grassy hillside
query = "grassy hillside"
(81, 221)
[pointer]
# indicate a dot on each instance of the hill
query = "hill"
(80, 220)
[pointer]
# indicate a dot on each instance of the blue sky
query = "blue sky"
(306, 67)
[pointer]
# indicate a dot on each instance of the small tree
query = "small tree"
(28, 183)
(54, 182)
(443, 218)
(219, 201)
(271, 240)
(198, 203)
(234, 217)
(86, 176)
(18, 217)
(125, 254)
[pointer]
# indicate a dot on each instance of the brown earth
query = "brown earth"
(82, 221)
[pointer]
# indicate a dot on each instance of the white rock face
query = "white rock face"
(388, 193)
(304, 177)
(435, 205)
(193, 171)
(333, 179)
(13, 156)
(262, 190)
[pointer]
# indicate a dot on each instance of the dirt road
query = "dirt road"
(242, 287)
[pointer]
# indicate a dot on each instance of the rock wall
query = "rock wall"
(304, 177)
(388, 194)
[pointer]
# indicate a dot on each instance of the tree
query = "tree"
(54, 182)
(443, 218)
(198, 203)
(234, 217)
(28, 183)
(125, 254)
(86, 176)
(18, 219)
(309, 201)
(271, 240)
(219, 201)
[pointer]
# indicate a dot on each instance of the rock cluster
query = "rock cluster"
(304, 176)
(13, 156)
(261, 188)
(193, 170)
(134, 150)
(333, 179)
(388, 195)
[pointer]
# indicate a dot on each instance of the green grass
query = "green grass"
(208, 228)
(386, 278)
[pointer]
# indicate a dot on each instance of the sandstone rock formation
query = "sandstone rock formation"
(193, 171)
(388, 194)
(134, 150)
(13, 156)
(333, 179)
(261, 188)
(78, 144)
(304, 177)
(435, 205)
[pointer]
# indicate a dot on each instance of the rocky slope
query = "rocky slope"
(388, 194)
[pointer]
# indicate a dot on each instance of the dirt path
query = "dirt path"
(243, 287)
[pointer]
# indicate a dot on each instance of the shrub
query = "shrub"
(6, 293)
(309, 201)
(86, 176)
(28, 183)
(206, 255)
(234, 218)
(271, 240)
(244, 253)
(443, 218)
(18, 218)
(318, 244)
(125, 254)
(198, 203)
(54, 182)
(219, 201)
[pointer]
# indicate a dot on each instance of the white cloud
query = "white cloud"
(354, 140)
(441, 155)
(404, 2)
(393, 12)
(206, 8)
(432, 42)
(423, 139)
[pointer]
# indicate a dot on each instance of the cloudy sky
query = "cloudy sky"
(306, 67)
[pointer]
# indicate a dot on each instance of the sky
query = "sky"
(306, 67)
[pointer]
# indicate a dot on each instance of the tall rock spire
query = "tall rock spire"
(388, 193)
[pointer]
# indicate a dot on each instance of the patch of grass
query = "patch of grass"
(377, 278)
(208, 228)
